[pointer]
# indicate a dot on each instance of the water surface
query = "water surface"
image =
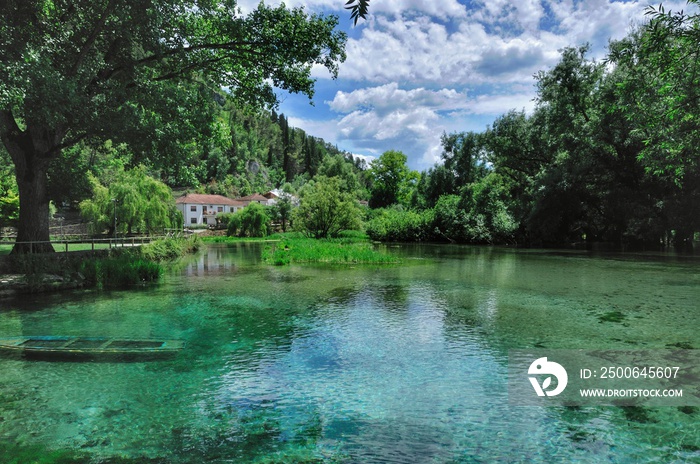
(402, 363)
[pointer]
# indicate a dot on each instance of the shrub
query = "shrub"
(394, 225)
(325, 211)
(251, 221)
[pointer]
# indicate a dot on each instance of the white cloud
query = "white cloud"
(497, 105)
(422, 68)
(386, 117)
(387, 97)
(423, 52)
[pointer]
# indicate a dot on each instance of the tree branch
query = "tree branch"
(90, 41)
(10, 133)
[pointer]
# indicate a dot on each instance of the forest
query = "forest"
(608, 155)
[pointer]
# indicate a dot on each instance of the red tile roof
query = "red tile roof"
(254, 197)
(201, 199)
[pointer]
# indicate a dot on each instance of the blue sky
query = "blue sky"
(416, 69)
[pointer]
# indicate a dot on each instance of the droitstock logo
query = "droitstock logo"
(543, 367)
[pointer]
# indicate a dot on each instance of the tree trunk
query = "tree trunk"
(31, 151)
(33, 213)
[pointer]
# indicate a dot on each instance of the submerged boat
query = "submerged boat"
(91, 348)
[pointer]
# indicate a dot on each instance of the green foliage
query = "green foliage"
(451, 222)
(488, 218)
(142, 204)
(130, 266)
(251, 221)
(9, 197)
(325, 210)
(358, 9)
(398, 225)
(392, 181)
(339, 166)
(143, 74)
(282, 211)
(169, 249)
(434, 183)
(332, 251)
(121, 271)
(463, 156)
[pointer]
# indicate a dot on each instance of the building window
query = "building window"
(231, 209)
(204, 220)
(193, 220)
(220, 209)
(193, 208)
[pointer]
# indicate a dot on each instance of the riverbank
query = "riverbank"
(111, 268)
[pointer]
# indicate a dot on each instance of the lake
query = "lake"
(396, 363)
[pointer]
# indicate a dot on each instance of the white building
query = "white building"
(275, 195)
(198, 209)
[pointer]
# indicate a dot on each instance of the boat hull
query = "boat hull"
(90, 348)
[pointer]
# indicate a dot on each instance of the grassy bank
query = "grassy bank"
(350, 249)
(115, 268)
(134, 265)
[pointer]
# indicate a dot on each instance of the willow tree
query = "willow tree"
(77, 70)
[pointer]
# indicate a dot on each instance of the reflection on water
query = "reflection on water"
(362, 364)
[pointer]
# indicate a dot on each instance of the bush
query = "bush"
(325, 211)
(393, 225)
(251, 221)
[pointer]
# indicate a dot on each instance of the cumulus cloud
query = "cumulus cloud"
(424, 52)
(387, 97)
(412, 120)
(421, 68)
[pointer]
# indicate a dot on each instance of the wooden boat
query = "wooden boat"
(90, 348)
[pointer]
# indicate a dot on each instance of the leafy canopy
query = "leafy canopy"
(137, 201)
(325, 210)
(82, 66)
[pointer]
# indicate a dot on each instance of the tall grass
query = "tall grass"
(122, 271)
(130, 266)
(348, 250)
(169, 249)
(118, 267)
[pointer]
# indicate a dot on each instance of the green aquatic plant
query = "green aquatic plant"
(120, 271)
(16, 454)
(332, 251)
(612, 316)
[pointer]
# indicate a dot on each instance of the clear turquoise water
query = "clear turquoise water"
(402, 363)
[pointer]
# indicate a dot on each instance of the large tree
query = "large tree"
(78, 70)
(326, 210)
(392, 180)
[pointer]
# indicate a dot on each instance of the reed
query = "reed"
(346, 250)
